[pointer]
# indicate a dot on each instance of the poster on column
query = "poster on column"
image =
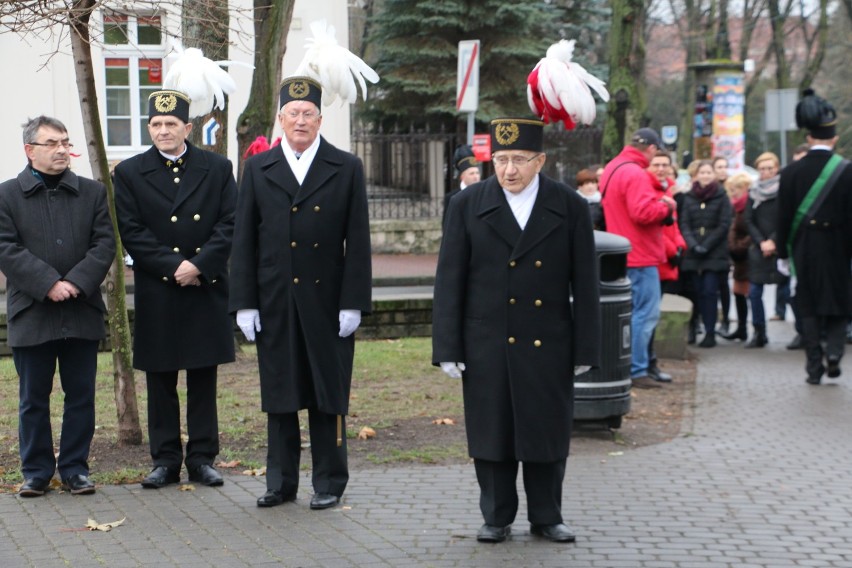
(728, 121)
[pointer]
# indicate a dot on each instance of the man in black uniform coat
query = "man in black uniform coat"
(175, 205)
(301, 275)
(517, 248)
(815, 236)
(56, 246)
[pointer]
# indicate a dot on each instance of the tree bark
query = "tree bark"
(271, 25)
(129, 429)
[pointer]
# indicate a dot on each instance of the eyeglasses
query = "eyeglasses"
(517, 161)
(307, 115)
(53, 144)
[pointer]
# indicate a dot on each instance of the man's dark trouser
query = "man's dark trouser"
(329, 461)
(498, 498)
(36, 366)
(833, 329)
(202, 422)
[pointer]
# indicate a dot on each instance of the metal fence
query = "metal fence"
(408, 174)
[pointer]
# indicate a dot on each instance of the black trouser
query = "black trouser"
(329, 461)
(498, 499)
(202, 422)
(36, 366)
(833, 330)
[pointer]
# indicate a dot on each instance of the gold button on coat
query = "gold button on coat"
(196, 217)
(316, 208)
(294, 209)
(165, 278)
(538, 264)
(295, 280)
(512, 263)
(198, 250)
(174, 219)
(512, 301)
(512, 340)
(175, 170)
(537, 343)
(176, 249)
(293, 244)
(538, 303)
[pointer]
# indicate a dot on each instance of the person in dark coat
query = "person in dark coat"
(518, 246)
(175, 204)
(587, 187)
(704, 222)
(815, 238)
(467, 167)
(56, 246)
(761, 217)
(303, 301)
(739, 242)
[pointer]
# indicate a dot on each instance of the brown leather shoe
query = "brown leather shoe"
(645, 382)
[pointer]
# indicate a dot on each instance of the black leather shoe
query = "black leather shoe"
(655, 373)
(833, 370)
(324, 500)
(812, 380)
(206, 475)
(708, 341)
(159, 477)
(78, 485)
(34, 487)
(796, 343)
(554, 533)
(491, 533)
(273, 498)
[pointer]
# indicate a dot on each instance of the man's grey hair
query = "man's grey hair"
(33, 124)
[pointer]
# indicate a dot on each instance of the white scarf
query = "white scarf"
(302, 164)
(522, 202)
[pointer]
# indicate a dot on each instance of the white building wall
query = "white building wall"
(42, 73)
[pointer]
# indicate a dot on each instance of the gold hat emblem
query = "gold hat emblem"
(299, 89)
(506, 134)
(165, 103)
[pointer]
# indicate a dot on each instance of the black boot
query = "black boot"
(759, 339)
(739, 333)
(693, 331)
(709, 340)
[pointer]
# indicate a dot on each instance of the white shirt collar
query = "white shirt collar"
(522, 202)
(821, 147)
(174, 158)
(301, 165)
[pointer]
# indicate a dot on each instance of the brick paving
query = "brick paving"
(757, 478)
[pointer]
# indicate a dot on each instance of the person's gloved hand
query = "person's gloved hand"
(249, 322)
(349, 322)
(783, 266)
(453, 370)
(699, 250)
(580, 369)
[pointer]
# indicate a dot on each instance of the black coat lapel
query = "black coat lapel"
(278, 172)
(547, 214)
(151, 168)
(325, 165)
(495, 211)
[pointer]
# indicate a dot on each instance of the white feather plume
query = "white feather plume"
(335, 67)
(202, 80)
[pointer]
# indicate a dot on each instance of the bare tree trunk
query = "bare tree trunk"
(782, 68)
(271, 24)
(816, 47)
(628, 106)
(129, 429)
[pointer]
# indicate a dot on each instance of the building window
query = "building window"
(133, 63)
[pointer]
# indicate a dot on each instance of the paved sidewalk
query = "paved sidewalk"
(759, 477)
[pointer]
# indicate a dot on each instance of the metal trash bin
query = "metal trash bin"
(603, 394)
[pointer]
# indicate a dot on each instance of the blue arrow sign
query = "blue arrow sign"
(210, 129)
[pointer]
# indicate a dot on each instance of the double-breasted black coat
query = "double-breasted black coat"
(163, 223)
(502, 306)
(706, 223)
(47, 236)
(762, 223)
(301, 254)
(822, 248)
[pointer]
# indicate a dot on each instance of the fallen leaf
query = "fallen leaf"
(255, 471)
(93, 525)
(366, 433)
(447, 421)
(232, 463)
(615, 454)
(186, 487)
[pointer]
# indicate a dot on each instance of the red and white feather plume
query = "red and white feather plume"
(560, 90)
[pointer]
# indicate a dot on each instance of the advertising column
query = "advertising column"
(728, 124)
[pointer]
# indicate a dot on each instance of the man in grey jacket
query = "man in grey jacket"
(56, 246)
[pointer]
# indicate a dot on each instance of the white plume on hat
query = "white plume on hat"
(558, 89)
(335, 67)
(202, 80)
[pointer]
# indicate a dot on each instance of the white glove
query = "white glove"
(453, 370)
(580, 369)
(783, 266)
(249, 322)
(349, 322)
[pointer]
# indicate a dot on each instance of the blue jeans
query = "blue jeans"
(645, 287)
(755, 296)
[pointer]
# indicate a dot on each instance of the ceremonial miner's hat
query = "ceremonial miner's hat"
(816, 115)
(517, 134)
(300, 88)
(168, 102)
(464, 159)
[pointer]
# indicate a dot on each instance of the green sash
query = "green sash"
(807, 203)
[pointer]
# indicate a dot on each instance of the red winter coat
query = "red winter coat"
(672, 239)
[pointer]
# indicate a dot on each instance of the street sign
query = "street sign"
(482, 147)
(211, 127)
(781, 109)
(467, 83)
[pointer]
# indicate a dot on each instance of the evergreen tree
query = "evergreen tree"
(413, 45)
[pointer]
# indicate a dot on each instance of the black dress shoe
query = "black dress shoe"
(34, 487)
(796, 343)
(324, 500)
(159, 477)
(655, 373)
(273, 498)
(708, 341)
(78, 485)
(554, 533)
(833, 370)
(491, 533)
(206, 475)
(812, 380)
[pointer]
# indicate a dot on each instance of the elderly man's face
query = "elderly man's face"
(169, 133)
(300, 121)
(470, 176)
(515, 169)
